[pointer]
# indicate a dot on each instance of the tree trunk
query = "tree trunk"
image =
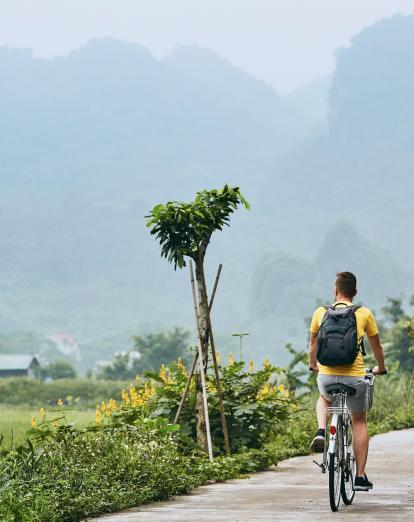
(203, 329)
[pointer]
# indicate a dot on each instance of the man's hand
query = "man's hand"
(377, 370)
(313, 368)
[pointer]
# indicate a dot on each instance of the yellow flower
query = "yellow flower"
(103, 407)
(266, 363)
(281, 387)
(266, 391)
(42, 414)
(184, 371)
(33, 421)
(287, 394)
(218, 357)
(179, 363)
(60, 403)
(231, 359)
(153, 390)
(162, 372)
(137, 378)
(112, 405)
(55, 424)
(251, 366)
(98, 416)
(125, 397)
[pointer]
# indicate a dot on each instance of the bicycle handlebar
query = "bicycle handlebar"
(369, 370)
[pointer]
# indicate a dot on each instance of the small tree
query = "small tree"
(184, 230)
(58, 370)
(162, 347)
(119, 368)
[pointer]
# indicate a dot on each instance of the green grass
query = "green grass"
(16, 420)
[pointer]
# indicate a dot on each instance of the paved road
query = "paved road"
(297, 491)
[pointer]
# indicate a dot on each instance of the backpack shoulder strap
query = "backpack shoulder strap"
(361, 344)
(325, 315)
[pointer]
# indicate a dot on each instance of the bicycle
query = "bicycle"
(338, 455)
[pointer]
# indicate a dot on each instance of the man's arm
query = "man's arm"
(313, 348)
(376, 346)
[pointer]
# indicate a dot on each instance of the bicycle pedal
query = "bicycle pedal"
(322, 466)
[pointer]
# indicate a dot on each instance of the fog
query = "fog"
(286, 43)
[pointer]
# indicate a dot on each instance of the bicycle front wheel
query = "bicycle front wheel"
(335, 470)
(349, 469)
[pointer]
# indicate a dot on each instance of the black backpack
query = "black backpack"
(338, 336)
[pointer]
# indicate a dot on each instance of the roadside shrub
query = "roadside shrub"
(255, 408)
(32, 392)
(132, 454)
(63, 474)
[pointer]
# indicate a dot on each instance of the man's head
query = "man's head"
(345, 286)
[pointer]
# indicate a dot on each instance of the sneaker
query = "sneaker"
(318, 443)
(362, 484)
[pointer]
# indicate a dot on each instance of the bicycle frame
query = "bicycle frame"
(343, 411)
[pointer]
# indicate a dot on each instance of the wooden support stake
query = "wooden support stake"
(213, 294)
(201, 365)
(218, 385)
(187, 386)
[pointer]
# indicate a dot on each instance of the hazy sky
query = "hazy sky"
(286, 42)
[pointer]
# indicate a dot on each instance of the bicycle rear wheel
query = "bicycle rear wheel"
(335, 470)
(349, 469)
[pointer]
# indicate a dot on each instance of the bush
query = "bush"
(255, 408)
(32, 392)
(58, 370)
(132, 455)
(68, 474)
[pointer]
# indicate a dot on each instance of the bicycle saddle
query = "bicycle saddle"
(340, 388)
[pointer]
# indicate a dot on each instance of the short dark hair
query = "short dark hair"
(346, 283)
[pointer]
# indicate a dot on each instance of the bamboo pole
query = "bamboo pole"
(193, 365)
(213, 293)
(218, 385)
(201, 365)
(187, 387)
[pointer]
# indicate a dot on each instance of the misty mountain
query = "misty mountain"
(313, 99)
(357, 172)
(287, 289)
(90, 142)
(360, 168)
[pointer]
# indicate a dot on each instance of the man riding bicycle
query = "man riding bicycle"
(325, 337)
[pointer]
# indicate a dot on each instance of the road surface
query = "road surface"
(296, 490)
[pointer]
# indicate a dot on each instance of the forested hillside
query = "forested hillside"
(90, 142)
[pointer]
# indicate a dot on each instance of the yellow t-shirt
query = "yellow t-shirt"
(365, 325)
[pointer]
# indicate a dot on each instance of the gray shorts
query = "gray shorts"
(357, 403)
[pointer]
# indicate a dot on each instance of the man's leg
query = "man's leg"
(318, 443)
(361, 440)
(321, 412)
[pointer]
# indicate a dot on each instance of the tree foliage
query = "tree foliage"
(157, 348)
(399, 337)
(58, 370)
(150, 351)
(185, 229)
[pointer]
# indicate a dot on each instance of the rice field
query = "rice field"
(16, 420)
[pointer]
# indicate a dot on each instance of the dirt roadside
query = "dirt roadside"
(297, 491)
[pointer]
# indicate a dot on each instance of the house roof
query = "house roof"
(17, 362)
